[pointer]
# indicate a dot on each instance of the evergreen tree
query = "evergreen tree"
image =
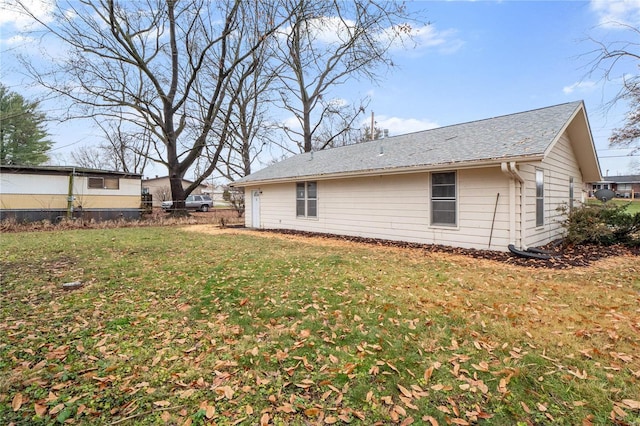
(23, 137)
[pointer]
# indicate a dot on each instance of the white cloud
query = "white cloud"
(21, 21)
(429, 37)
(617, 13)
(401, 126)
(580, 86)
(332, 30)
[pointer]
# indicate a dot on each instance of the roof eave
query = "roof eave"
(394, 171)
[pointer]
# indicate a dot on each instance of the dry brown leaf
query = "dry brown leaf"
(40, 410)
(330, 420)
(401, 411)
(427, 374)
(632, 404)
(16, 403)
(541, 407)
(431, 420)
(210, 411)
(286, 408)
(264, 420)
(249, 410)
(482, 366)
(619, 411)
(55, 410)
(165, 416)
(161, 403)
(406, 392)
(459, 421)
(408, 421)
(312, 412)
(525, 407)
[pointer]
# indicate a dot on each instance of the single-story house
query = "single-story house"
(484, 184)
(160, 189)
(625, 186)
(33, 193)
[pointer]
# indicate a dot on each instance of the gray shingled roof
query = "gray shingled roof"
(525, 134)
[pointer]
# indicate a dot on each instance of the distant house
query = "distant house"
(483, 184)
(33, 193)
(625, 186)
(160, 188)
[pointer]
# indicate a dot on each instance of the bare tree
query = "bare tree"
(251, 89)
(90, 157)
(122, 150)
(609, 57)
(325, 44)
(159, 65)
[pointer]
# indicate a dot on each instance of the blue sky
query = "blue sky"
(476, 60)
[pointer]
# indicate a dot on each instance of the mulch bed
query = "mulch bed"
(562, 256)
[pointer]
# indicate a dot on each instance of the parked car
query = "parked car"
(193, 202)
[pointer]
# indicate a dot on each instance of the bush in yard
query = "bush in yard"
(603, 224)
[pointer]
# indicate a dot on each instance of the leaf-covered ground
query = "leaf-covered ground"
(236, 327)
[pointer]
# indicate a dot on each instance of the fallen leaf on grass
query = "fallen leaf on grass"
(161, 403)
(16, 403)
(428, 373)
(55, 410)
(264, 420)
(632, 404)
(286, 408)
(405, 391)
(312, 412)
(40, 410)
(431, 420)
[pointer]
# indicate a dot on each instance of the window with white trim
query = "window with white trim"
(443, 199)
(539, 197)
(307, 199)
(571, 193)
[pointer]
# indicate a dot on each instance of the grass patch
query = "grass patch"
(633, 206)
(174, 326)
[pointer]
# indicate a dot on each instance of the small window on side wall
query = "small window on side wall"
(103, 183)
(306, 199)
(539, 197)
(443, 199)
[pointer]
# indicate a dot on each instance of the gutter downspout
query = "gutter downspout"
(510, 169)
(70, 195)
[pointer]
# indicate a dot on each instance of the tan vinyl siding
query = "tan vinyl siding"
(559, 167)
(395, 207)
(47, 201)
(40, 191)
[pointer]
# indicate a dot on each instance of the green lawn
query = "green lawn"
(633, 206)
(177, 327)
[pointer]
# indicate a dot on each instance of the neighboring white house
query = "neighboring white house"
(33, 193)
(484, 184)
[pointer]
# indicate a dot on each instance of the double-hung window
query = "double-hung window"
(539, 197)
(306, 199)
(443, 199)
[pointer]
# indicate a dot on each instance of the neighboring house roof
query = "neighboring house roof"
(524, 136)
(622, 179)
(56, 170)
(161, 178)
